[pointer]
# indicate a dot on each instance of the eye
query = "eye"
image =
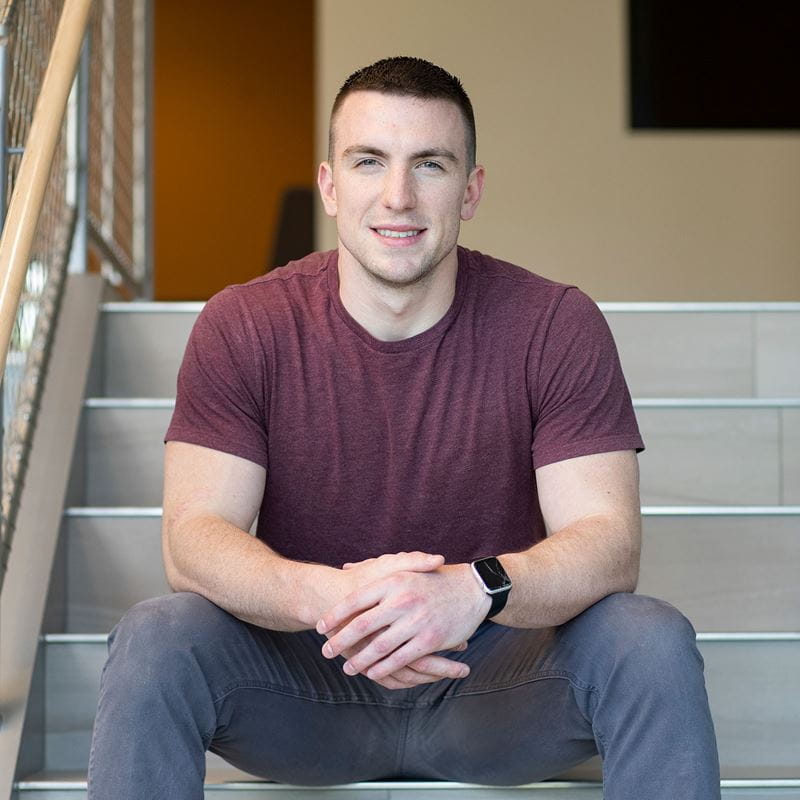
(367, 162)
(434, 165)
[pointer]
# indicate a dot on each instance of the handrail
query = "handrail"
(26, 202)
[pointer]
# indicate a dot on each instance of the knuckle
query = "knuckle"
(361, 626)
(405, 600)
(382, 646)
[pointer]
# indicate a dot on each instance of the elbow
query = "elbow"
(629, 574)
(176, 580)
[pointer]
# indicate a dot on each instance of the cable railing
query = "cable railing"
(72, 188)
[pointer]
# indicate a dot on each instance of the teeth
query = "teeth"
(396, 234)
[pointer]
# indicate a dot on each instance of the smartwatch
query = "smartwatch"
(494, 580)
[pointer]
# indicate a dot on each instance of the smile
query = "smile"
(396, 234)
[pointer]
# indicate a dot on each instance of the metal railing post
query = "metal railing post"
(3, 209)
(80, 241)
(143, 143)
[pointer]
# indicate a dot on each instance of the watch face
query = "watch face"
(491, 572)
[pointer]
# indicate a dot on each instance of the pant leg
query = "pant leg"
(623, 679)
(183, 676)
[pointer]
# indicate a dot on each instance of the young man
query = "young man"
(440, 448)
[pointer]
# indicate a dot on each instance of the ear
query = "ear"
(473, 192)
(327, 190)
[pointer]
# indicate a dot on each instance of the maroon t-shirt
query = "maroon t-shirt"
(429, 443)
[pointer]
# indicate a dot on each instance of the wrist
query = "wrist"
(317, 589)
(494, 582)
(477, 601)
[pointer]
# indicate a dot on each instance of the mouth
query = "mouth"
(399, 235)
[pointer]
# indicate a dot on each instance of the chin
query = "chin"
(401, 277)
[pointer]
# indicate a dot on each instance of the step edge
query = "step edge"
(756, 783)
(194, 306)
(638, 402)
(702, 636)
(647, 511)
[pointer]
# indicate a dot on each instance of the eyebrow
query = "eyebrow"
(430, 152)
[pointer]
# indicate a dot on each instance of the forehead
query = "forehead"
(398, 122)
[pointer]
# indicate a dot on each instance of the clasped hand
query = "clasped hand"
(403, 610)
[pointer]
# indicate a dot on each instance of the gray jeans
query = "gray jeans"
(624, 679)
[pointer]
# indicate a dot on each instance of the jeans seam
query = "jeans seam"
(333, 699)
(400, 752)
(498, 687)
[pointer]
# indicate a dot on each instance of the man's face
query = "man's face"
(398, 184)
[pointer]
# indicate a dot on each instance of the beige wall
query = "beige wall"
(571, 192)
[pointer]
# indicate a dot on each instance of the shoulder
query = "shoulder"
(281, 291)
(511, 286)
(295, 278)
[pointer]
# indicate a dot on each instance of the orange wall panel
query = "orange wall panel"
(233, 128)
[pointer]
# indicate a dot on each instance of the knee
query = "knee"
(646, 633)
(162, 630)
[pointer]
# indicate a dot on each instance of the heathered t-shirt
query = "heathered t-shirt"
(429, 443)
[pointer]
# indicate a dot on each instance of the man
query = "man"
(440, 448)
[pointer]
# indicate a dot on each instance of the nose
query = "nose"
(398, 190)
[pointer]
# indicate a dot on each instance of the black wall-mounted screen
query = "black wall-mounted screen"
(714, 64)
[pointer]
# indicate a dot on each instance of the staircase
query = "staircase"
(717, 393)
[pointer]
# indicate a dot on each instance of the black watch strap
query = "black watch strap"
(499, 601)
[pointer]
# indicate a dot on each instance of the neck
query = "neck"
(391, 312)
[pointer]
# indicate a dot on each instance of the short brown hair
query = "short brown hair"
(414, 77)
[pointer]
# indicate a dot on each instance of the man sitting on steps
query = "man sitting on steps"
(441, 451)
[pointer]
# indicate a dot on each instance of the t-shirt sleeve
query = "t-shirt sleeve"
(581, 403)
(221, 385)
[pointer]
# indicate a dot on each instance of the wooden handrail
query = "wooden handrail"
(28, 196)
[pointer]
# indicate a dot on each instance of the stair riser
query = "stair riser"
(726, 354)
(677, 354)
(113, 563)
(695, 456)
(754, 690)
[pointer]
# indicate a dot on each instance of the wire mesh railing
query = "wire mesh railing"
(29, 28)
(92, 201)
(117, 168)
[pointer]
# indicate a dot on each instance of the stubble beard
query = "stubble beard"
(419, 277)
(386, 279)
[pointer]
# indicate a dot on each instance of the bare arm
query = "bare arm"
(591, 509)
(210, 502)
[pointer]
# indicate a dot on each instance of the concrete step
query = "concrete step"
(667, 349)
(59, 786)
(708, 349)
(718, 451)
(753, 682)
(726, 569)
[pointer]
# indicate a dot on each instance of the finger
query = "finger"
(460, 648)
(438, 667)
(353, 606)
(377, 648)
(391, 682)
(429, 670)
(407, 678)
(359, 633)
(415, 561)
(409, 653)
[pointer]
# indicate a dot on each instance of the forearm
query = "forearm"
(561, 576)
(241, 574)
